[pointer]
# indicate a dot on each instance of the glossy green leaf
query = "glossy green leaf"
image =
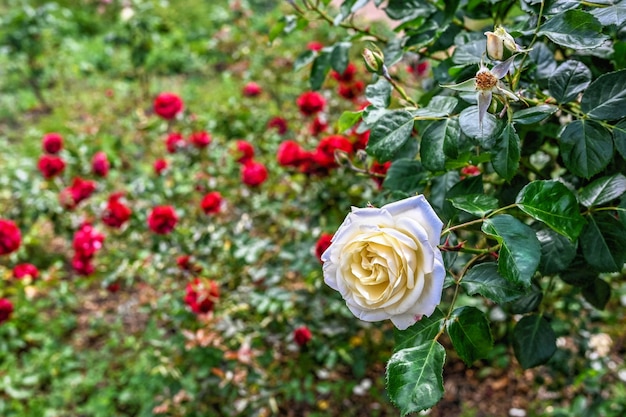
(421, 332)
(543, 57)
(390, 134)
(339, 56)
(406, 175)
(612, 15)
(597, 293)
(348, 119)
(619, 136)
(415, 377)
(520, 250)
(436, 139)
(304, 59)
(506, 153)
(603, 242)
(379, 94)
(485, 280)
(477, 204)
(319, 70)
(468, 186)
(554, 204)
(586, 147)
(470, 334)
(557, 251)
(579, 273)
(439, 106)
(534, 341)
(484, 135)
(534, 114)
(605, 98)
(569, 80)
(603, 190)
(527, 303)
(574, 29)
(406, 10)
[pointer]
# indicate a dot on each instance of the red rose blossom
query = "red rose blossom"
(174, 142)
(81, 189)
(322, 244)
(52, 143)
(470, 171)
(243, 151)
(252, 89)
(351, 91)
(201, 295)
(10, 237)
(100, 164)
(168, 105)
(381, 169)
(347, 76)
(50, 165)
(162, 219)
(253, 173)
(314, 46)
(200, 139)
(6, 309)
(317, 126)
(302, 335)
(23, 270)
(310, 103)
(325, 151)
(160, 165)
(116, 213)
(211, 203)
(279, 124)
(290, 153)
(83, 266)
(87, 241)
(361, 140)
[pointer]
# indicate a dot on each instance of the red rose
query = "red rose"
(113, 287)
(253, 173)
(66, 200)
(160, 165)
(162, 219)
(50, 165)
(116, 213)
(347, 76)
(381, 169)
(470, 171)
(361, 140)
(10, 237)
(87, 241)
(314, 46)
(83, 266)
(211, 203)
(52, 143)
(168, 105)
(351, 91)
(200, 139)
(310, 102)
(174, 142)
(322, 244)
(243, 151)
(325, 151)
(23, 270)
(302, 335)
(418, 68)
(290, 153)
(279, 124)
(100, 164)
(81, 189)
(201, 295)
(317, 126)
(252, 89)
(6, 309)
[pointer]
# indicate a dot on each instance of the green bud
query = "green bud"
(374, 60)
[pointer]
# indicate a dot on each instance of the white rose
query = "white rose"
(385, 262)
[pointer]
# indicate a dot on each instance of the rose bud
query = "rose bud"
(253, 173)
(374, 60)
(310, 103)
(10, 237)
(100, 164)
(6, 309)
(252, 89)
(25, 270)
(162, 219)
(501, 45)
(168, 105)
(211, 203)
(302, 336)
(200, 139)
(50, 165)
(52, 143)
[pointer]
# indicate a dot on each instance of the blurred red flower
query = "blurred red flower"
(174, 141)
(325, 152)
(243, 151)
(202, 295)
(253, 173)
(314, 46)
(279, 124)
(168, 105)
(211, 203)
(52, 143)
(322, 244)
(162, 219)
(100, 164)
(290, 153)
(302, 335)
(25, 269)
(347, 76)
(200, 139)
(10, 237)
(6, 309)
(252, 89)
(116, 213)
(50, 165)
(160, 165)
(310, 103)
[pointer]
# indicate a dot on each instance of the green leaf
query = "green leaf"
(605, 98)
(527, 303)
(405, 175)
(612, 15)
(506, 153)
(339, 56)
(319, 70)
(619, 136)
(437, 137)
(304, 59)
(557, 251)
(534, 341)
(390, 134)
(421, 332)
(485, 280)
(348, 119)
(406, 10)
(484, 136)
(579, 273)
(519, 252)
(554, 204)
(603, 242)
(470, 185)
(477, 204)
(379, 94)
(439, 106)
(574, 29)
(415, 377)
(534, 114)
(470, 334)
(586, 147)
(597, 293)
(569, 80)
(603, 190)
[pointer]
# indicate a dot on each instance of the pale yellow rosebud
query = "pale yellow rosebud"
(374, 60)
(500, 44)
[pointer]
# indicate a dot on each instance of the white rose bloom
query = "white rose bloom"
(385, 262)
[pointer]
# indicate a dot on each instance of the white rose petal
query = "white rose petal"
(385, 262)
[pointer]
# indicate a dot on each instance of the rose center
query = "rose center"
(485, 80)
